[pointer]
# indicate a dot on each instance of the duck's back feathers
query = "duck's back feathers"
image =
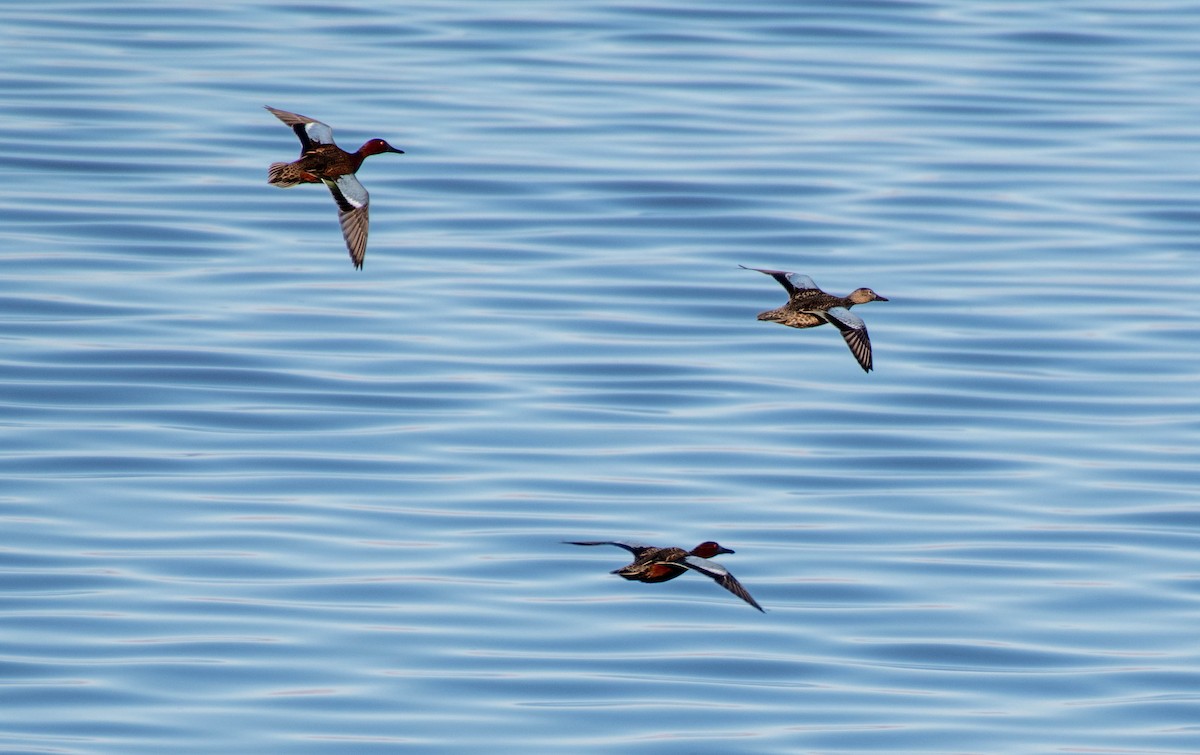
(287, 175)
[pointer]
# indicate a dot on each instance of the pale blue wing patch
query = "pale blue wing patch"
(704, 566)
(318, 132)
(352, 201)
(722, 577)
(352, 191)
(309, 131)
(801, 281)
(844, 318)
(792, 282)
(854, 331)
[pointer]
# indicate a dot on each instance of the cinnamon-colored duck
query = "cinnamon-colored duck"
(654, 564)
(809, 306)
(322, 161)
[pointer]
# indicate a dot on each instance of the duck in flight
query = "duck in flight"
(809, 306)
(654, 564)
(322, 161)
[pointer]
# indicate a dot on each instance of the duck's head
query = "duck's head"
(864, 295)
(708, 549)
(377, 146)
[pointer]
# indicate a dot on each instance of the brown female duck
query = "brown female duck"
(654, 564)
(322, 161)
(809, 306)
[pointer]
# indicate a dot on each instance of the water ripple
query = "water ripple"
(258, 501)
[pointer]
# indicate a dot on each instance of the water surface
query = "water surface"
(257, 501)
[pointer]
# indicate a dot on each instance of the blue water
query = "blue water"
(255, 501)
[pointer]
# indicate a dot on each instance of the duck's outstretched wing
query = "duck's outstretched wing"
(791, 282)
(635, 548)
(854, 330)
(353, 206)
(722, 577)
(308, 130)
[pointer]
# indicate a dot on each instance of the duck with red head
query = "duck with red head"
(376, 147)
(655, 564)
(322, 161)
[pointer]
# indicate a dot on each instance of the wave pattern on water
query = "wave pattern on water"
(255, 500)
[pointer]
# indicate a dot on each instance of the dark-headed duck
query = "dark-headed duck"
(322, 161)
(654, 564)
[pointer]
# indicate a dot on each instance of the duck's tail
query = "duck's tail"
(284, 175)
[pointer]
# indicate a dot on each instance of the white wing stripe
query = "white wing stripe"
(352, 190)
